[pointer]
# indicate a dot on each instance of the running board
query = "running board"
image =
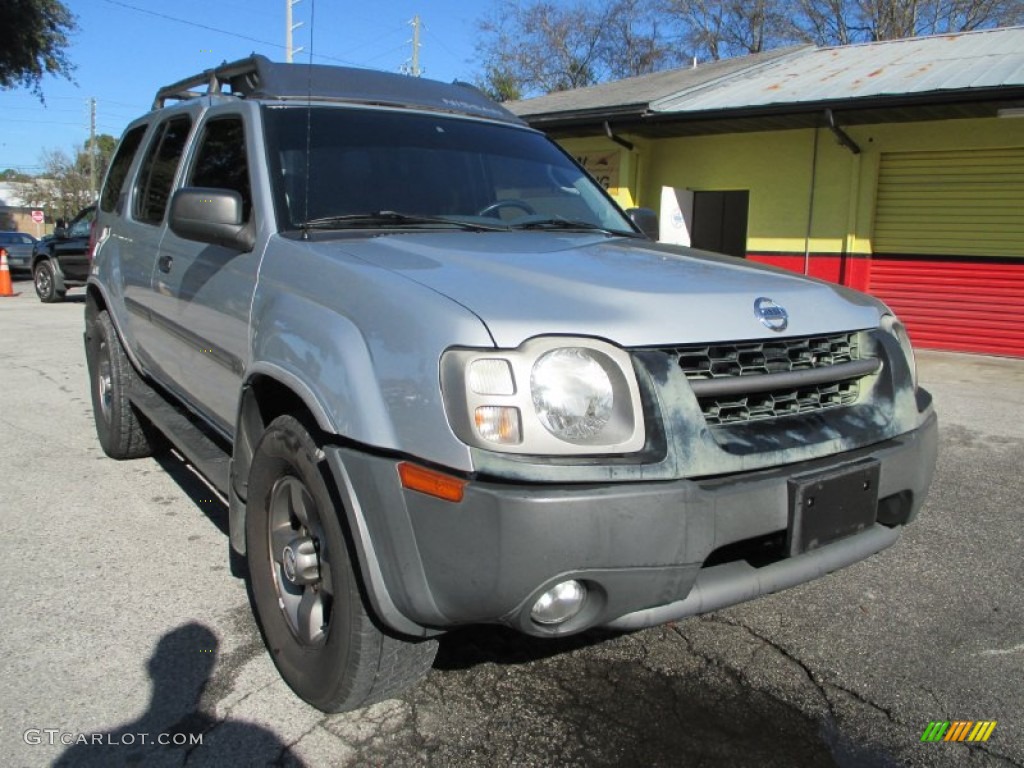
(212, 461)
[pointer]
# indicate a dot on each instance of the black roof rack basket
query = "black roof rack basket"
(258, 77)
(242, 77)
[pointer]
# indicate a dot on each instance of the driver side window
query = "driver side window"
(221, 162)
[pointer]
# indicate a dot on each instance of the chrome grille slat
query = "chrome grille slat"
(772, 391)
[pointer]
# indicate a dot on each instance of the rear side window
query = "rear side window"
(119, 167)
(222, 162)
(156, 176)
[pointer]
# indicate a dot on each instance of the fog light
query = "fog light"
(560, 603)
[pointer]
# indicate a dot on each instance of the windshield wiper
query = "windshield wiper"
(393, 218)
(559, 222)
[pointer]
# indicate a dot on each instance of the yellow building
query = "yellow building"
(894, 167)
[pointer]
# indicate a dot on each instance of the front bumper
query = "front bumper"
(640, 547)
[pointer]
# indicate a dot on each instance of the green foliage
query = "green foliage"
(12, 175)
(35, 34)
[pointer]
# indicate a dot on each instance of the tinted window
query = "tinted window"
(82, 224)
(221, 162)
(17, 238)
(158, 169)
(119, 167)
(333, 162)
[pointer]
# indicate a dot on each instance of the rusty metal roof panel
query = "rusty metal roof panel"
(985, 59)
(638, 92)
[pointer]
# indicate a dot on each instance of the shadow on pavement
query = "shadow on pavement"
(175, 725)
(603, 699)
(471, 646)
(208, 501)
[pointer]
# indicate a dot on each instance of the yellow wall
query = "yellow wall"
(775, 166)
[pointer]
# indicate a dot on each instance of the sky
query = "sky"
(125, 50)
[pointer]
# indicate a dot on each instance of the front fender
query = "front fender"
(322, 357)
(361, 345)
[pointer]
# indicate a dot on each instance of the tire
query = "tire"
(313, 615)
(121, 431)
(45, 280)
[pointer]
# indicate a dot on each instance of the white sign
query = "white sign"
(676, 220)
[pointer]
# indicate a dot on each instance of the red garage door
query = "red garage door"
(949, 247)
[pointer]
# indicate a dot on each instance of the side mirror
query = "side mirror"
(646, 221)
(211, 216)
(60, 232)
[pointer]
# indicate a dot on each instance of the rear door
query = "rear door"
(143, 209)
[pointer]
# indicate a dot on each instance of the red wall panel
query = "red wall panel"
(964, 305)
(968, 305)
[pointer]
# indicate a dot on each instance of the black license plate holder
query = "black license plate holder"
(827, 506)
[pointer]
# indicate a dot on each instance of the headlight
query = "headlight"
(572, 394)
(551, 396)
(897, 329)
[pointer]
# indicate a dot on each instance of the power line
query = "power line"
(219, 31)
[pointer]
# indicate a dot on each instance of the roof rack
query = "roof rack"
(242, 77)
(258, 77)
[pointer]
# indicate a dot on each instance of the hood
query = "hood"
(631, 292)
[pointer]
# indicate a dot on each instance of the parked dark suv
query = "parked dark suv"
(63, 261)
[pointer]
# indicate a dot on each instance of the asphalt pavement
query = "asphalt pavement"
(123, 626)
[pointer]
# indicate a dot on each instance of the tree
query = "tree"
(720, 29)
(35, 36)
(530, 47)
(634, 40)
(64, 187)
(840, 22)
(10, 174)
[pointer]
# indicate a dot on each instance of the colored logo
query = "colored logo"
(958, 730)
(772, 316)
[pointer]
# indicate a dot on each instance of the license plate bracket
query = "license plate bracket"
(829, 505)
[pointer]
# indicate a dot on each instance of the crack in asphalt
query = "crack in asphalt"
(822, 685)
(815, 680)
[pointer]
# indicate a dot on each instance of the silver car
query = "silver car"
(444, 380)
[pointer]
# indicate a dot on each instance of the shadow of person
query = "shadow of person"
(174, 726)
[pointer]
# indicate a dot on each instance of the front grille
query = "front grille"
(750, 381)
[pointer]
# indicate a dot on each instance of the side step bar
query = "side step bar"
(212, 461)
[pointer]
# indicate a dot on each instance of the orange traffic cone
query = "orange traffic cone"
(5, 276)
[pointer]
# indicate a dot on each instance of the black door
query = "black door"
(720, 222)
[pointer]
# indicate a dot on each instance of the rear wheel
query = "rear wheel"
(121, 431)
(45, 281)
(304, 587)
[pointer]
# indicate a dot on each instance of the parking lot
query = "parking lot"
(122, 624)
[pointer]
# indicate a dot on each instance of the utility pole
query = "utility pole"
(92, 148)
(413, 66)
(289, 27)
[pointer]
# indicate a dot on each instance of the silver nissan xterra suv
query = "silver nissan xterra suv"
(443, 380)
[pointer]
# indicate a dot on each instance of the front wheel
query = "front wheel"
(45, 281)
(304, 588)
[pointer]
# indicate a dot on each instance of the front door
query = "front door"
(206, 290)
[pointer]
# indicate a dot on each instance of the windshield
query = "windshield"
(423, 171)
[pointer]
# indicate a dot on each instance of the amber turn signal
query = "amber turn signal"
(431, 482)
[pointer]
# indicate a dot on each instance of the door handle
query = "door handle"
(165, 263)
